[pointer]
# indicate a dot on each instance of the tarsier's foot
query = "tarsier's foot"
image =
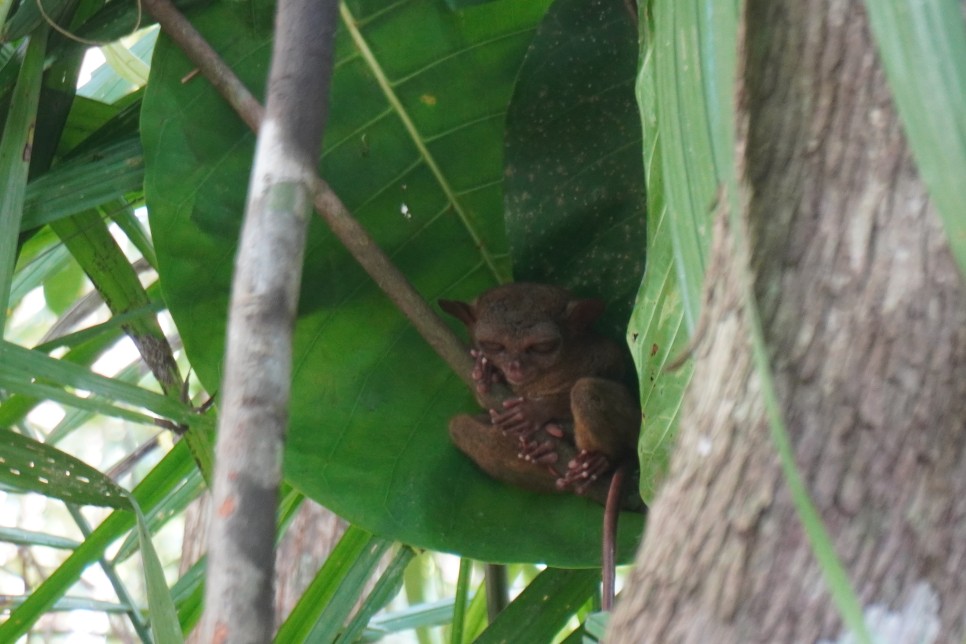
(513, 418)
(484, 374)
(583, 470)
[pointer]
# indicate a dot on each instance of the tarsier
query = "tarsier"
(570, 421)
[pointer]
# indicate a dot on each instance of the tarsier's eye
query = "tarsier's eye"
(547, 346)
(491, 347)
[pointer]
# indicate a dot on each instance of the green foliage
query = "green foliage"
(367, 439)
(416, 146)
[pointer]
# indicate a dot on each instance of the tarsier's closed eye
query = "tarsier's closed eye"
(491, 347)
(547, 346)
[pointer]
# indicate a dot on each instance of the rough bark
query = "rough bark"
(864, 314)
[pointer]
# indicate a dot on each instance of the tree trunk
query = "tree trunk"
(864, 315)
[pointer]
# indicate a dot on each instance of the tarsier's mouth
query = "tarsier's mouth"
(516, 378)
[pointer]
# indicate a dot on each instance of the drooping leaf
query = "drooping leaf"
(417, 157)
(164, 617)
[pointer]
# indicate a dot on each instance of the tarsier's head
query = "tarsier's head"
(525, 329)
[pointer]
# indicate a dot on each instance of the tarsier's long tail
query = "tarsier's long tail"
(612, 510)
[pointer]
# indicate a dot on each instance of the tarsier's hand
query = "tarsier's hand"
(518, 417)
(585, 468)
(485, 375)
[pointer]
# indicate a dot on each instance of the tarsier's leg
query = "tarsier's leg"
(498, 454)
(606, 425)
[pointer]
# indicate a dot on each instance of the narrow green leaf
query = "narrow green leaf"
(123, 215)
(167, 508)
(476, 619)
(164, 617)
(28, 17)
(15, 160)
(656, 332)
(18, 366)
(415, 617)
(923, 49)
(459, 604)
(92, 179)
(75, 417)
(169, 473)
(596, 624)
(34, 271)
(124, 71)
(95, 249)
(385, 589)
(107, 332)
(66, 604)
(542, 610)
(188, 594)
(687, 159)
(31, 538)
(326, 585)
(30, 465)
(86, 117)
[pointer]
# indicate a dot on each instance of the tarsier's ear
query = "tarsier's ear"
(465, 313)
(581, 314)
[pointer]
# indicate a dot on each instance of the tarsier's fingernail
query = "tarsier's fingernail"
(554, 431)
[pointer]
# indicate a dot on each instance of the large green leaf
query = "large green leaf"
(413, 147)
(574, 179)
